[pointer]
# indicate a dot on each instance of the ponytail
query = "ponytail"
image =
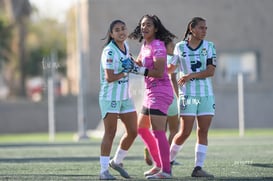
(191, 25)
(187, 33)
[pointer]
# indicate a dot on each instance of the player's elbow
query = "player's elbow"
(211, 74)
(210, 71)
(109, 79)
(170, 68)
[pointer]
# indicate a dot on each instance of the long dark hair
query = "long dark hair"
(194, 21)
(162, 33)
(110, 30)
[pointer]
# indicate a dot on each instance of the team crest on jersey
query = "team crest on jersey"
(113, 104)
(204, 52)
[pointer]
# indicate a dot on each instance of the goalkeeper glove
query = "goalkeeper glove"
(128, 64)
(140, 70)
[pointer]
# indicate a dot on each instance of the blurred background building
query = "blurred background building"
(241, 31)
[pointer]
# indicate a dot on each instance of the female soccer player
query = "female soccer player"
(152, 60)
(172, 119)
(115, 101)
(172, 115)
(196, 61)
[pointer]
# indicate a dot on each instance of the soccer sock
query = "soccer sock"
(150, 142)
(200, 154)
(120, 155)
(164, 150)
(174, 150)
(104, 163)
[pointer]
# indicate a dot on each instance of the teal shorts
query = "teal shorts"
(173, 109)
(119, 107)
(197, 105)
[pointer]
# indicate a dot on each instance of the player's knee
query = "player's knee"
(186, 134)
(202, 133)
(110, 135)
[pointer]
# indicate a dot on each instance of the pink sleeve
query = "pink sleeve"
(159, 49)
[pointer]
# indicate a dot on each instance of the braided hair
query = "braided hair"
(191, 25)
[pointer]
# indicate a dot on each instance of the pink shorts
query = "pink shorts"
(160, 101)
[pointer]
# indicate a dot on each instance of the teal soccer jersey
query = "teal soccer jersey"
(196, 60)
(111, 58)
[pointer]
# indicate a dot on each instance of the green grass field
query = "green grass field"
(230, 157)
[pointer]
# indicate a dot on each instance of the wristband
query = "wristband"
(146, 72)
(142, 71)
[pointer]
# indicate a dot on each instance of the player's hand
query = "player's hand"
(184, 79)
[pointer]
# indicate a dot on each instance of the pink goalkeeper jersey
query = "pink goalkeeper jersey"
(156, 86)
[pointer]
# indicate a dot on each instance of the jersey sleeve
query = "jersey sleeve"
(211, 54)
(175, 58)
(108, 58)
(159, 50)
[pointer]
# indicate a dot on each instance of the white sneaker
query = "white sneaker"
(106, 176)
(152, 171)
(160, 175)
(119, 168)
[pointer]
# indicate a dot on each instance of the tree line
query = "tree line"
(24, 41)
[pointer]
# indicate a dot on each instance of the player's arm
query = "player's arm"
(138, 60)
(174, 83)
(173, 65)
(209, 72)
(171, 68)
(159, 57)
(110, 76)
(158, 69)
(108, 66)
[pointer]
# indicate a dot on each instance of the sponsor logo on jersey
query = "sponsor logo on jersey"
(122, 81)
(195, 65)
(159, 52)
(109, 60)
(110, 53)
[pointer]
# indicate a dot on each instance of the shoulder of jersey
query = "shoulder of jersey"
(158, 42)
(108, 49)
